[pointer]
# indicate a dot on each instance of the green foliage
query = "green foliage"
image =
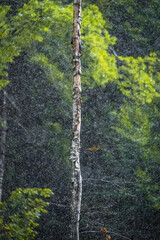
(139, 83)
(101, 65)
(129, 158)
(43, 21)
(139, 78)
(98, 65)
(136, 124)
(150, 188)
(19, 31)
(135, 23)
(20, 213)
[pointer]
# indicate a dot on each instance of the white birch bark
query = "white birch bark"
(3, 141)
(76, 191)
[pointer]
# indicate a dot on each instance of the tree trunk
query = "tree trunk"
(3, 141)
(76, 192)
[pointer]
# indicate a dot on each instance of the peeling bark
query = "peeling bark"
(3, 141)
(76, 192)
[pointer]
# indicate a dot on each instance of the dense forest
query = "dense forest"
(118, 142)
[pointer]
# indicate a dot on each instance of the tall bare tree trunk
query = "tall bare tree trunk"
(3, 141)
(76, 125)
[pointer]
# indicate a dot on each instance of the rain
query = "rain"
(79, 120)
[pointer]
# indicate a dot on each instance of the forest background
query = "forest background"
(120, 114)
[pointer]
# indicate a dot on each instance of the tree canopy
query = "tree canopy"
(120, 118)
